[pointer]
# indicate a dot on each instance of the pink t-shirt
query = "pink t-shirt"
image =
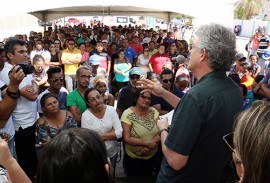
(157, 61)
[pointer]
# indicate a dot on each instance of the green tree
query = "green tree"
(245, 9)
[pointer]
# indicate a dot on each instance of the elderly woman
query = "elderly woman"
(104, 120)
(250, 143)
(53, 120)
(140, 135)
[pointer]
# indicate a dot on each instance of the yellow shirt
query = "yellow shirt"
(70, 69)
(141, 128)
(247, 83)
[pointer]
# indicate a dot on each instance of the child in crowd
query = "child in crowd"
(253, 58)
(39, 73)
(246, 70)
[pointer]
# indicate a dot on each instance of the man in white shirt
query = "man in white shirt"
(25, 113)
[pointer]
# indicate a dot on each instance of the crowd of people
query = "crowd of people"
(59, 121)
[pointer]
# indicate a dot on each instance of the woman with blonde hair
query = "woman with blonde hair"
(100, 83)
(251, 143)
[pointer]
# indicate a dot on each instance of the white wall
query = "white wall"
(249, 26)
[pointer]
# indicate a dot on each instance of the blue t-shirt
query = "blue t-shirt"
(130, 53)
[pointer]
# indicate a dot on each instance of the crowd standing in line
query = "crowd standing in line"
(73, 75)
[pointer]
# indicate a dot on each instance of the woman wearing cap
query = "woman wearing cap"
(122, 66)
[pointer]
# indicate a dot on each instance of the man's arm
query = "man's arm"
(76, 113)
(33, 95)
(64, 59)
(176, 161)
(14, 170)
(8, 104)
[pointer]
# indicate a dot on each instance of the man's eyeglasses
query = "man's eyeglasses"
(167, 80)
(228, 140)
(134, 77)
(173, 45)
(57, 79)
(146, 50)
(144, 97)
(85, 77)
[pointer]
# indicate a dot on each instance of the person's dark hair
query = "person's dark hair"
(235, 77)
(45, 97)
(82, 43)
(113, 43)
(10, 45)
(247, 65)
(165, 71)
(150, 75)
(244, 89)
(53, 70)
(185, 45)
(136, 95)
(75, 155)
(81, 68)
(160, 45)
(151, 42)
(86, 95)
(60, 45)
(145, 47)
(251, 55)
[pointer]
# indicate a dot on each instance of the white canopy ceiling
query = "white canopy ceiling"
(206, 10)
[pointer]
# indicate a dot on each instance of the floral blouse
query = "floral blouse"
(44, 132)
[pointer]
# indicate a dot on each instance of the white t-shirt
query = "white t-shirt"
(25, 113)
(4, 73)
(109, 121)
(143, 61)
(9, 127)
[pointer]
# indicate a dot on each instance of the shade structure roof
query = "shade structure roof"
(208, 10)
